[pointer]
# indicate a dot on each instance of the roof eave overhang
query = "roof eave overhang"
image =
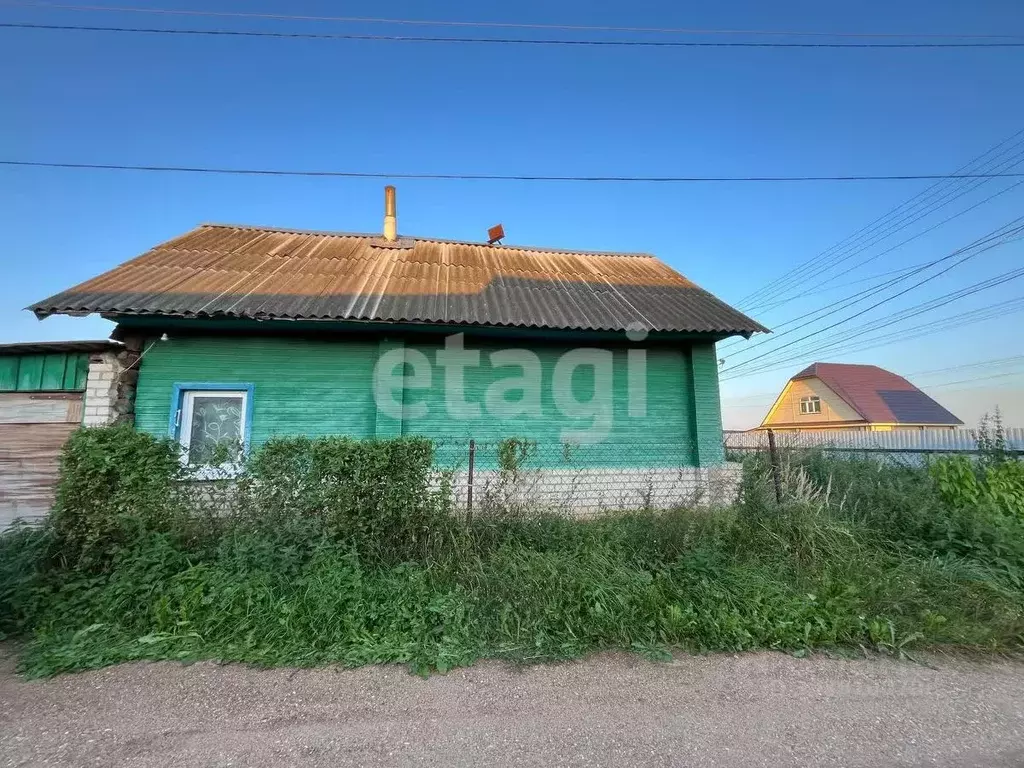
(233, 322)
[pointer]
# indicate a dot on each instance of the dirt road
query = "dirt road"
(749, 710)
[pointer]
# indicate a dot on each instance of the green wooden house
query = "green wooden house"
(249, 332)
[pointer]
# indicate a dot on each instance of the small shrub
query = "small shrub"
(957, 480)
(375, 493)
(991, 486)
(23, 552)
(507, 493)
(1004, 486)
(991, 439)
(115, 484)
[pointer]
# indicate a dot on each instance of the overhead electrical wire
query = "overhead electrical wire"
(999, 362)
(843, 346)
(498, 40)
(1003, 310)
(846, 301)
(927, 306)
(489, 176)
(884, 222)
(1018, 159)
(842, 342)
(734, 344)
(980, 378)
(822, 312)
(1012, 228)
(818, 291)
(505, 25)
(994, 362)
(903, 335)
(825, 311)
(768, 397)
(897, 337)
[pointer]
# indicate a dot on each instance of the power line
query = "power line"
(899, 225)
(940, 301)
(842, 346)
(998, 361)
(842, 341)
(817, 291)
(980, 378)
(1001, 311)
(766, 397)
(896, 337)
(760, 396)
(495, 40)
(506, 25)
(763, 398)
(857, 298)
(831, 309)
(995, 235)
(884, 221)
(903, 274)
(491, 177)
(917, 217)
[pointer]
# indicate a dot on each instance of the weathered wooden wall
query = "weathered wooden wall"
(33, 427)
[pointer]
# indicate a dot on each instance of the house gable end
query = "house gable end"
(834, 408)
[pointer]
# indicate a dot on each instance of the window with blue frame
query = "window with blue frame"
(212, 422)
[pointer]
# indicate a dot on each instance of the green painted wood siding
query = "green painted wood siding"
(315, 388)
(301, 387)
(55, 372)
(707, 405)
(663, 437)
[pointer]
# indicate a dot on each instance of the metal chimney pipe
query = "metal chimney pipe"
(390, 215)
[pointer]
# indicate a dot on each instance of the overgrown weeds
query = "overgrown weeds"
(341, 551)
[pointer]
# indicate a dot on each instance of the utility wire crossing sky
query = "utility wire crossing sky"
(498, 177)
(503, 40)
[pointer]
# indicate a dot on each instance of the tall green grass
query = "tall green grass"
(859, 555)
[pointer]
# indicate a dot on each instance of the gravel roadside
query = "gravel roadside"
(761, 709)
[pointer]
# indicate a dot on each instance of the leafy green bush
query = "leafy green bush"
(374, 493)
(997, 486)
(23, 552)
(957, 480)
(1004, 485)
(115, 484)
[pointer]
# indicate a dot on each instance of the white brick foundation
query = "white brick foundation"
(586, 492)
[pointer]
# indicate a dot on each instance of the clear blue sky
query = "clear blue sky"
(375, 106)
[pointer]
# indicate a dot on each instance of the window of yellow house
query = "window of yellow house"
(810, 404)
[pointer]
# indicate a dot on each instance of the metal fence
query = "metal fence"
(518, 475)
(906, 447)
(898, 441)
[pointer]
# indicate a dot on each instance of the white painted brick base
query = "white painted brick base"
(579, 493)
(101, 390)
(583, 492)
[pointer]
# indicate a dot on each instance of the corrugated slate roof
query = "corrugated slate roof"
(878, 395)
(261, 273)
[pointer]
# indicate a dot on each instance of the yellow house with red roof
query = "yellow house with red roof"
(854, 397)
